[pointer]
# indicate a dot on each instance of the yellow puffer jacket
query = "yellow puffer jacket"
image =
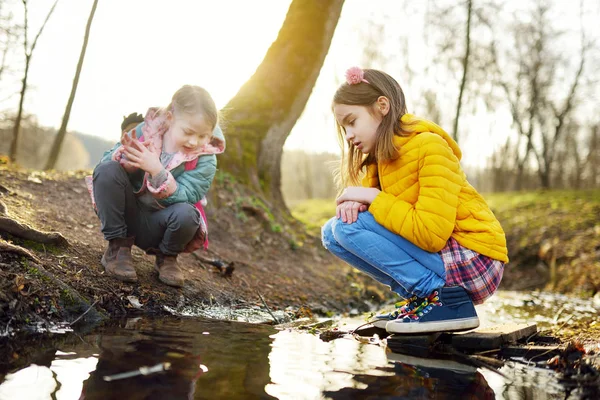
(426, 198)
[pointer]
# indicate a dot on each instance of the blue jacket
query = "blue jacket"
(189, 175)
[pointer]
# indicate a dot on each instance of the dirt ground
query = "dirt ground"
(269, 259)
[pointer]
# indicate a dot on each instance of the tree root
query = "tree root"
(25, 231)
(5, 246)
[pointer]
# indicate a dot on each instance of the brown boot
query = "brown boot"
(117, 259)
(168, 269)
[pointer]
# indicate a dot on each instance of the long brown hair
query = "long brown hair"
(366, 94)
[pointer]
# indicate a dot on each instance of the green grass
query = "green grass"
(539, 215)
(544, 199)
(314, 213)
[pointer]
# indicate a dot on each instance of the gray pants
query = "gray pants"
(168, 230)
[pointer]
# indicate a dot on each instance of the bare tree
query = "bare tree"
(539, 120)
(28, 54)
(267, 106)
(54, 152)
(592, 161)
(463, 61)
(465, 66)
(8, 36)
(554, 120)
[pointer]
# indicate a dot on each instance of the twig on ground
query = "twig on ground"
(226, 268)
(82, 315)
(8, 324)
(267, 307)
(564, 323)
(478, 362)
(360, 326)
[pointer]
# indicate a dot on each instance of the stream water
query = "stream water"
(200, 358)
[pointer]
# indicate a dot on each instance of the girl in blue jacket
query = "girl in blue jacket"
(149, 189)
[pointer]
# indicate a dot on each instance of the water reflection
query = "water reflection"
(208, 359)
(303, 366)
(420, 378)
(212, 359)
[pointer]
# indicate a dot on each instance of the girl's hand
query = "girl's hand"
(126, 164)
(358, 193)
(348, 211)
(142, 155)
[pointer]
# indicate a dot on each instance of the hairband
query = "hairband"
(355, 75)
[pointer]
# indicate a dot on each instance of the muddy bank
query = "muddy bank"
(254, 260)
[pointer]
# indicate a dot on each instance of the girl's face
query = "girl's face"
(359, 124)
(188, 132)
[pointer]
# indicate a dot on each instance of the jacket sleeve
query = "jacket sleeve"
(429, 222)
(192, 186)
(116, 151)
(108, 155)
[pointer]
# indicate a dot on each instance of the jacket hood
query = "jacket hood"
(416, 125)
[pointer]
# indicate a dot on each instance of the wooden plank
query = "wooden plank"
(492, 337)
(417, 345)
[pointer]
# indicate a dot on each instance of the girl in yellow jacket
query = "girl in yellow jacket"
(413, 222)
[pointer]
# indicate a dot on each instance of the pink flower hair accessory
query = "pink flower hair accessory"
(355, 75)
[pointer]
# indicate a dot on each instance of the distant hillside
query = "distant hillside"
(34, 146)
(95, 146)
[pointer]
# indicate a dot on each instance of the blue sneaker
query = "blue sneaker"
(402, 308)
(446, 309)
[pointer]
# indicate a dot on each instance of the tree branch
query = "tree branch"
(465, 69)
(43, 25)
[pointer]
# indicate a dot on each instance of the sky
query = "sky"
(141, 51)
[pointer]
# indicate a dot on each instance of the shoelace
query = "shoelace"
(432, 299)
(403, 307)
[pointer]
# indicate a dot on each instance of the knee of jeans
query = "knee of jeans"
(342, 230)
(327, 233)
(185, 216)
(107, 170)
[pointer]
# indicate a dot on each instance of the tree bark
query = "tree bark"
(267, 106)
(62, 131)
(463, 81)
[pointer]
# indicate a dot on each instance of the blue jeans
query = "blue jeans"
(385, 256)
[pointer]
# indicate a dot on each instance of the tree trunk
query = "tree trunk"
(465, 70)
(267, 106)
(12, 154)
(62, 131)
(544, 174)
(28, 54)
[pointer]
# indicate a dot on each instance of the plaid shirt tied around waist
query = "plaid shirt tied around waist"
(478, 274)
